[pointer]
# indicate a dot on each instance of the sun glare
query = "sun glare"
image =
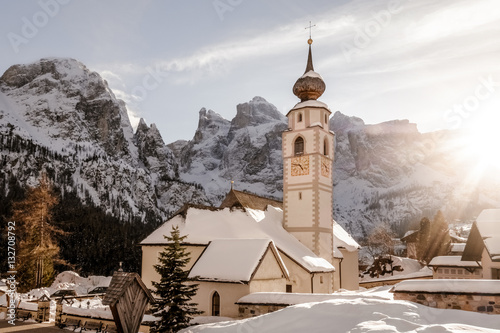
(481, 144)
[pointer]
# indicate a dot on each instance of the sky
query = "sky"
(435, 63)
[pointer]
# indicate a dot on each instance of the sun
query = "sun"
(481, 143)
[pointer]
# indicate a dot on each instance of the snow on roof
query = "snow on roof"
(200, 226)
(317, 123)
(310, 103)
(311, 73)
(457, 247)
(452, 261)
(275, 298)
(488, 224)
(233, 260)
(409, 232)
(450, 286)
(342, 239)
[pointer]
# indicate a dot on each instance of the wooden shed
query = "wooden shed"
(127, 296)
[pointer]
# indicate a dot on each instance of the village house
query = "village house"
(483, 244)
(452, 267)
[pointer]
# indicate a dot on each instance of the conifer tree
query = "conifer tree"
(433, 239)
(175, 290)
(37, 247)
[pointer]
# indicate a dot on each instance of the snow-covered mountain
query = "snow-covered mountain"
(246, 149)
(57, 116)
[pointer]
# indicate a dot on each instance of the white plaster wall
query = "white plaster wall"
(488, 265)
(150, 257)
(300, 279)
(323, 283)
(350, 270)
(229, 293)
(268, 268)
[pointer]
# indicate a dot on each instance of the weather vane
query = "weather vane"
(310, 28)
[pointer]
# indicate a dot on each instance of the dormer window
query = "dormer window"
(299, 146)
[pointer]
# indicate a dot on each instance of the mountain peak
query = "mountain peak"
(257, 111)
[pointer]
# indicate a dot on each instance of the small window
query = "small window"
(325, 147)
(215, 304)
(446, 271)
(299, 146)
(300, 195)
(300, 118)
(321, 279)
(326, 118)
(453, 271)
(288, 288)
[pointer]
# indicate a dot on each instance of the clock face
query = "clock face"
(300, 166)
(326, 167)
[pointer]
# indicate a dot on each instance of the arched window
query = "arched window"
(299, 146)
(325, 147)
(215, 304)
(300, 117)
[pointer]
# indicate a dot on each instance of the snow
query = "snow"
(310, 103)
(311, 73)
(89, 308)
(450, 286)
(200, 226)
(235, 265)
(455, 261)
(411, 269)
(457, 247)
(488, 223)
(342, 239)
(359, 312)
(274, 298)
(71, 280)
(316, 124)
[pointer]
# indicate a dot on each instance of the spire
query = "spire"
(309, 66)
(309, 86)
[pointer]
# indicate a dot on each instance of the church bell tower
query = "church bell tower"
(307, 166)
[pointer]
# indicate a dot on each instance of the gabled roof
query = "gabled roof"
(201, 226)
(247, 200)
(119, 284)
(452, 261)
(485, 233)
(234, 260)
(410, 236)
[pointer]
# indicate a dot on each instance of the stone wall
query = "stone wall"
(468, 302)
(253, 310)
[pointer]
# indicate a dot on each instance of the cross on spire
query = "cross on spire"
(310, 28)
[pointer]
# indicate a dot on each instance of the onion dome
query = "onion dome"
(309, 86)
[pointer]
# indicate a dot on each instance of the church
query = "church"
(255, 244)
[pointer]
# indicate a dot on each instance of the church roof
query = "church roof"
(201, 226)
(248, 200)
(342, 240)
(237, 265)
